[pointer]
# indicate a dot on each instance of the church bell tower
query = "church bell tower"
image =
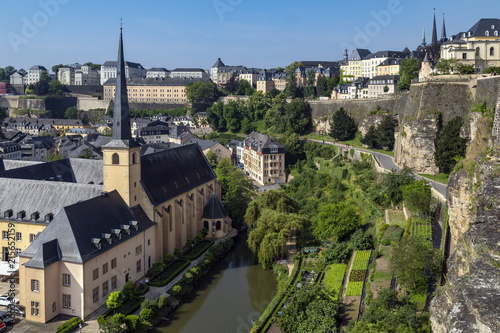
(122, 160)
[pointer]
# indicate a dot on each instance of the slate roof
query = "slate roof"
(213, 209)
(169, 173)
(152, 148)
(261, 142)
(2, 167)
(387, 53)
(43, 197)
(390, 61)
(359, 54)
(73, 170)
(188, 70)
(178, 131)
(37, 67)
(479, 29)
(127, 63)
(204, 144)
(79, 227)
(157, 81)
(218, 64)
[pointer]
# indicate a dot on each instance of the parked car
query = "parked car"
(17, 310)
(6, 318)
(5, 300)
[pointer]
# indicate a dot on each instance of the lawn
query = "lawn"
(441, 177)
(421, 227)
(334, 278)
(397, 218)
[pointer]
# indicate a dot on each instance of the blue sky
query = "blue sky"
(194, 33)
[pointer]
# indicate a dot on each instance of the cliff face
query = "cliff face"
(415, 144)
(470, 299)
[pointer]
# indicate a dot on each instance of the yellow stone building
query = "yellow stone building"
(147, 206)
(264, 159)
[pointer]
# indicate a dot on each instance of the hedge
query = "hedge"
(69, 325)
(171, 277)
(187, 254)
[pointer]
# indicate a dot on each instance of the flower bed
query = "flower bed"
(197, 250)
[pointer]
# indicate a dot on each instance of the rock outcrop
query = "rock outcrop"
(470, 299)
(369, 121)
(416, 144)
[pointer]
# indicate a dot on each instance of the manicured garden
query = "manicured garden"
(358, 273)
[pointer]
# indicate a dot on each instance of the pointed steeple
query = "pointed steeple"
(121, 118)
(443, 32)
(423, 38)
(434, 30)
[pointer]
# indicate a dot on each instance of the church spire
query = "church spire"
(443, 32)
(423, 38)
(121, 118)
(434, 30)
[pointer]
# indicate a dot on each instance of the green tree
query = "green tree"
(417, 196)
(147, 314)
(298, 116)
(394, 182)
(292, 88)
(71, 113)
(233, 115)
(294, 149)
(215, 117)
(243, 87)
(361, 240)
(236, 189)
(54, 157)
(450, 145)
(55, 68)
(342, 126)
(412, 261)
(465, 69)
(30, 89)
(370, 138)
(247, 126)
(334, 221)
(336, 253)
(385, 133)
(114, 300)
(41, 88)
(409, 69)
(56, 88)
(128, 289)
(87, 154)
(212, 159)
(321, 86)
(445, 66)
(200, 91)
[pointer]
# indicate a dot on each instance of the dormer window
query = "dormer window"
(21, 214)
(496, 33)
(117, 232)
(492, 27)
(49, 217)
(7, 214)
(126, 228)
(96, 242)
(273, 148)
(135, 224)
(107, 237)
(35, 216)
(486, 33)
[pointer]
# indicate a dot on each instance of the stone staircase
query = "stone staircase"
(174, 302)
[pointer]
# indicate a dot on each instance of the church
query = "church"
(144, 207)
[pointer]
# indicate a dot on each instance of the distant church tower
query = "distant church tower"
(434, 30)
(424, 43)
(122, 160)
(443, 32)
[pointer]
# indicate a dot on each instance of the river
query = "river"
(235, 292)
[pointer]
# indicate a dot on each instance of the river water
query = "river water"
(235, 292)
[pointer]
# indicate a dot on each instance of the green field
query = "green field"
(397, 218)
(362, 255)
(421, 228)
(334, 278)
(360, 264)
(354, 288)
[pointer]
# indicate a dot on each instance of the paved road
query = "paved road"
(387, 162)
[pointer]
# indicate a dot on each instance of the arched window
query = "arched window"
(492, 51)
(477, 51)
(54, 307)
(217, 225)
(496, 33)
(206, 225)
(181, 203)
(486, 33)
(134, 161)
(115, 159)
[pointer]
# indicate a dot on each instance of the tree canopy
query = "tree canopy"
(408, 70)
(342, 126)
(200, 91)
(334, 221)
(450, 145)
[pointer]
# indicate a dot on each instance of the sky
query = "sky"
(194, 33)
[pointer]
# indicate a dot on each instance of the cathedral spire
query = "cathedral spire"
(443, 32)
(434, 30)
(423, 38)
(121, 118)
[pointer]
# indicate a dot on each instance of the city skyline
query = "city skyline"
(194, 34)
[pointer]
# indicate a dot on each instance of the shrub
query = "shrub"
(162, 302)
(128, 289)
(69, 325)
(132, 322)
(118, 319)
(147, 314)
(148, 304)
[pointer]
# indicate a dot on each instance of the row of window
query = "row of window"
(19, 236)
(95, 272)
(105, 289)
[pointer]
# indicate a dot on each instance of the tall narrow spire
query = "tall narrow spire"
(423, 38)
(434, 30)
(443, 32)
(121, 118)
